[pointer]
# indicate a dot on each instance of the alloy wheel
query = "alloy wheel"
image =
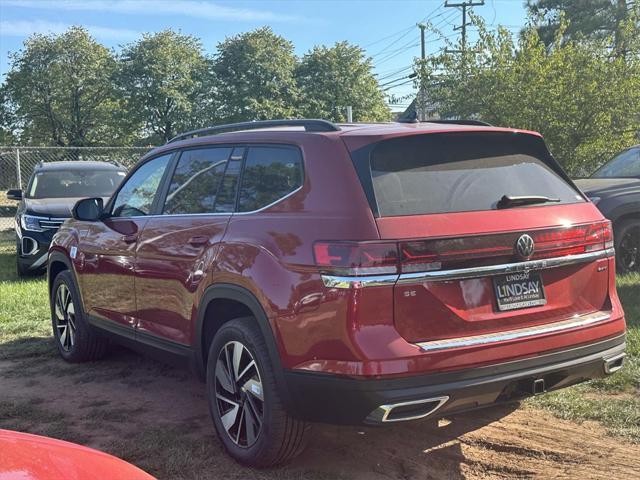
(65, 317)
(239, 394)
(629, 250)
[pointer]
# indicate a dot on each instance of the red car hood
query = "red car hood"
(32, 457)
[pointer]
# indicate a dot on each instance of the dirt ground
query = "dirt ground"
(156, 416)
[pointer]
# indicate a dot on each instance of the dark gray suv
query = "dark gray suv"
(52, 191)
(615, 189)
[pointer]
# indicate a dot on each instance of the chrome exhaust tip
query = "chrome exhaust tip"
(405, 411)
(613, 364)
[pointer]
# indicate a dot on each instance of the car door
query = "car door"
(177, 248)
(107, 248)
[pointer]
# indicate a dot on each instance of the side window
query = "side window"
(270, 173)
(226, 200)
(624, 165)
(135, 198)
(196, 180)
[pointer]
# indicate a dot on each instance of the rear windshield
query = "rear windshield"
(434, 173)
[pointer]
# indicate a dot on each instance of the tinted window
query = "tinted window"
(270, 173)
(439, 173)
(626, 164)
(196, 180)
(226, 200)
(136, 196)
(75, 183)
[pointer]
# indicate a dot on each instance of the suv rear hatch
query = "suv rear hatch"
(462, 272)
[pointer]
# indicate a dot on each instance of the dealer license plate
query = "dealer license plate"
(519, 290)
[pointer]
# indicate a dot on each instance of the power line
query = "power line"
(413, 75)
(396, 52)
(392, 43)
(393, 53)
(408, 30)
(396, 72)
(396, 86)
(387, 37)
(385, 52)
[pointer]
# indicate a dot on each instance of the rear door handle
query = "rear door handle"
(198, 240)
(129, 238)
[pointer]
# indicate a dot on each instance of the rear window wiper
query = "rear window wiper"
(512, 201)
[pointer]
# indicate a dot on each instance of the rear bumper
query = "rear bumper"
(337, 399)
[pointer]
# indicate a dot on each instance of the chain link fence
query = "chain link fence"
(17, 165)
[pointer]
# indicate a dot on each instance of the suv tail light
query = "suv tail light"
(573, 240)
(379, 258)
(351, 258)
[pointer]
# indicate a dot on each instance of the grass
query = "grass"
(612, 401)
(25, 331)
(25, 335)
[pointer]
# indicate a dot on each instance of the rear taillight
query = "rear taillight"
(573, 240)
(380, 258)
(423, 256)
(352, 258)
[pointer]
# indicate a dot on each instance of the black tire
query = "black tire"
(280, 437)
(79, 343)
(627, 240)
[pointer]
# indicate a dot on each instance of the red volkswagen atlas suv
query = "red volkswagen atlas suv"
(349, 274)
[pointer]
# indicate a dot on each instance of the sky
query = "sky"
(386, 29)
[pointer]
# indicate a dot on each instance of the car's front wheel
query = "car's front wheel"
(75, 340)
(248, 414)
(627, 237)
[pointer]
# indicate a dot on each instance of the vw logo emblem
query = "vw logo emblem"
(525, 246)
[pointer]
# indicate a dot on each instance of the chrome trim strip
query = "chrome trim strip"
(386, 410)
(475, 272)
(576, 322)
(336, 281)
(40, 261)
(217, 214)
(332, 281)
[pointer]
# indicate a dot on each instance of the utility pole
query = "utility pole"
(421, 98)
(463, 27)
(422, 28)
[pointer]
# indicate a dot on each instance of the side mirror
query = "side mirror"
(88, 209)
(14, 194)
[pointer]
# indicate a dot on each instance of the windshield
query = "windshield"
(426, 174)
(75, 183)
(624, 165)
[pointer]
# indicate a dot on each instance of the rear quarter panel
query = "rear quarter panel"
(270, 253)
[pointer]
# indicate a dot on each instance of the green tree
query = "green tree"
(7, 121)
(59, 90)
(585, 101)
(587, 18)
(332, 78)
(166, 83)
(254, 75)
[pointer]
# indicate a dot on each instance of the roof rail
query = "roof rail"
(310, 125)
(450, 122)
(462, 122)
